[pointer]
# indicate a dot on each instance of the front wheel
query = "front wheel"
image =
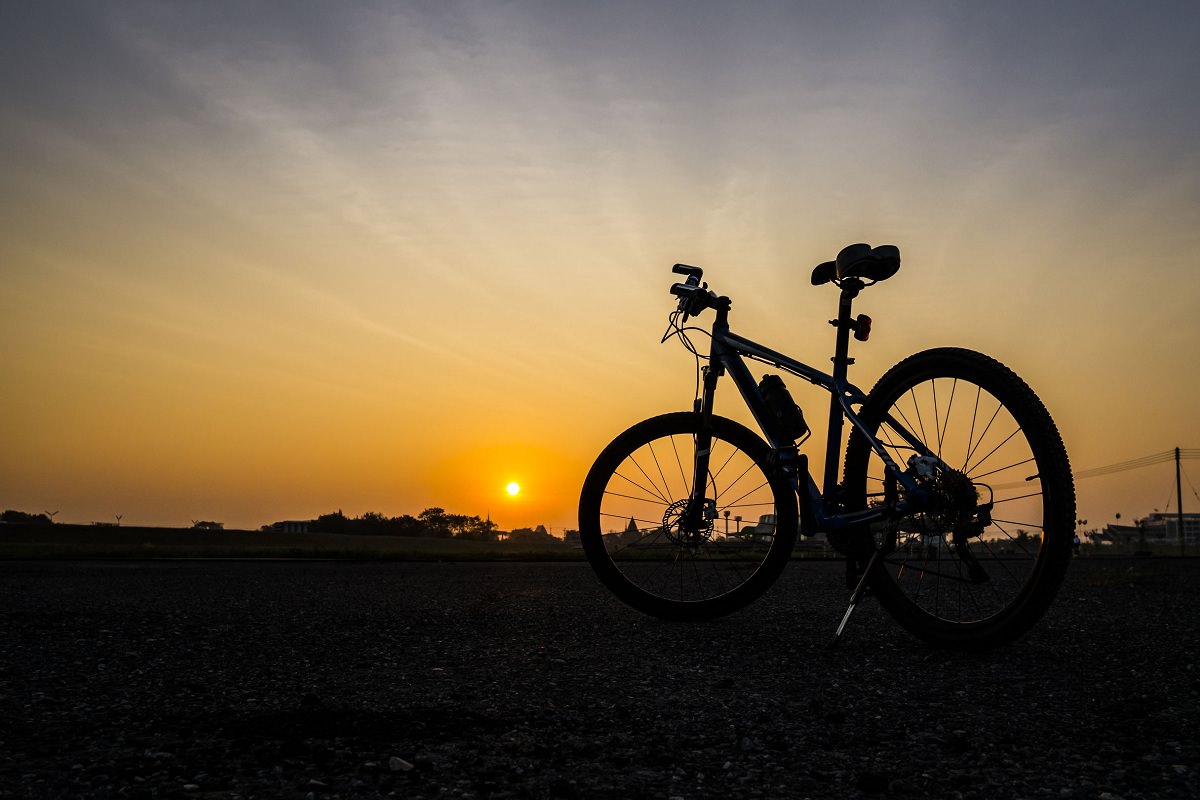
(646, 547)
(983, 559)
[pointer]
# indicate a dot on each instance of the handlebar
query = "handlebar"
(693, 295)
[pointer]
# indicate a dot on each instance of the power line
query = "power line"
(1138, 463)
(1170, 500)
(1177, 455)
(1190, 484)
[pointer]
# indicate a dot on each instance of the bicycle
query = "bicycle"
(955, 508)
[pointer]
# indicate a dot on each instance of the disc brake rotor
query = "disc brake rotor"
(677, 533)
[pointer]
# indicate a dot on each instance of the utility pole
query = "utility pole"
(1179, 503)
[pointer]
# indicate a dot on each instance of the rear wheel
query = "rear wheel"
(980, 566)
(646, 548)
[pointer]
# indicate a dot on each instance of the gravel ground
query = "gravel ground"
(214, 679)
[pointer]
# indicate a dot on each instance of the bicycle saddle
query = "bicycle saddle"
(860, 261)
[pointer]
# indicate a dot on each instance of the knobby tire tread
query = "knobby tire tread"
(1058, 522)
(655, 428)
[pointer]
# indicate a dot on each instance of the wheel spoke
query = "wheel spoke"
(687, 482)
(983, 435)
(983, 460)
(650, 487)
(1018, 497)
(968, 552)
(998, 470)
(651, 544)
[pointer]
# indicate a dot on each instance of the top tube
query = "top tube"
(850, 393)
(728, 347)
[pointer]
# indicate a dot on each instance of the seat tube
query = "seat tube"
(841, 364)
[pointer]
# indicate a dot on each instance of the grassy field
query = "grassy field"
(87, 541)
(92, 542)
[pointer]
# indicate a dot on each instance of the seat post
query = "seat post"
(844, 324)
(841, 362)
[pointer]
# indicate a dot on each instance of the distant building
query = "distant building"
(292, 526)
(764, 531)
(1161, 528)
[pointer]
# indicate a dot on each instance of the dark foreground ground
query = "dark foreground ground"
(290, 679)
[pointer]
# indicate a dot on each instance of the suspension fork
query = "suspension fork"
(694, 516)
(704, 440)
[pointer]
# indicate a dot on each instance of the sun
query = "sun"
(513, 489)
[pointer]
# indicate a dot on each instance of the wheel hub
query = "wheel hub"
(680, 532)
(956, 491)
(956, 508)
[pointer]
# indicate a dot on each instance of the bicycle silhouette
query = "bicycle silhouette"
(955, 507)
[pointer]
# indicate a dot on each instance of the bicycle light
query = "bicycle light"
(862, 327)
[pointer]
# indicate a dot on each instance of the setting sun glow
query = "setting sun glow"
(262, 262)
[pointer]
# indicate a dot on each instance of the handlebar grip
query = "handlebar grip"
(692, 299)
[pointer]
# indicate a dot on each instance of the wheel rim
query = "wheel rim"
(961, 562)
(643, 520)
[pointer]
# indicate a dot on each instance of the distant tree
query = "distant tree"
(435, 522)
(485, 529)
(331, 523)
(21, 518)
(538, 535)
(372, 523)
(520, 535)
(205, 525)
(477, 529)
(408, 525)
(456, 523)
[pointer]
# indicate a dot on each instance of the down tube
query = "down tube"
(804, 485)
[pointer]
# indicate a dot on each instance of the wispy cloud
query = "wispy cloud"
(491, 193)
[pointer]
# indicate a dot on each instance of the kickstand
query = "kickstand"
(855, 596)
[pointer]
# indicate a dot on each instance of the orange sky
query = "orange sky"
(269, 262)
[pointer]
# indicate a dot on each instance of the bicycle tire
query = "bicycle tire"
(637, 488)
(1004, 439)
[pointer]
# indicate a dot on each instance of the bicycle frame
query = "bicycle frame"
(916, 528)
(727, 354)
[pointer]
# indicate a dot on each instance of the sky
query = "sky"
(265, 261)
